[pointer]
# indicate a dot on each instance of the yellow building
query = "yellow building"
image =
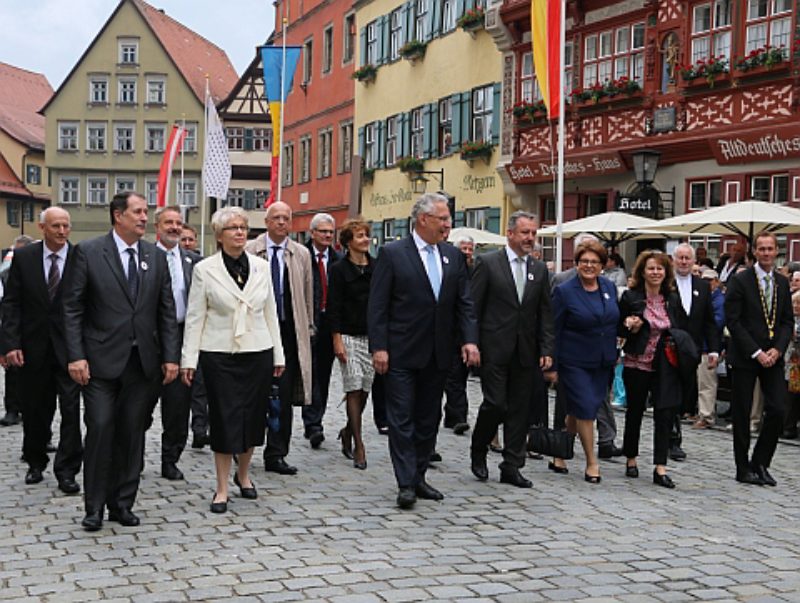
(109, 121)
(427, 108)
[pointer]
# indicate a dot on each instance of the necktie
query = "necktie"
(275, 266)
(133, 274)
(323, 280)
(433, 271)
(519, 278)
(768, 290)
(177, 286)
(53, 276)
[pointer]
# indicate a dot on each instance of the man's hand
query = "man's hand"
(278, 371)
(79, 371)
(774, 355)
(713, 361)
(187, 376)
(15, 358)
(764, 360)
(470, 354)
(170, 370)
(550, 376)
(545, 362)
(380, 361)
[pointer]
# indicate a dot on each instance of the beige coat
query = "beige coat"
(298, 266)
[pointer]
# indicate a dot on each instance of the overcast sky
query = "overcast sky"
(49, 36)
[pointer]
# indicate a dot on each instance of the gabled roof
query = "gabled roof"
(9, 183)
(250, 91)
(22, 94)
(193, 55)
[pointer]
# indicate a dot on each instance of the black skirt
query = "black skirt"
(238, 388)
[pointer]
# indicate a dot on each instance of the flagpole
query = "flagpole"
(183, 126)
(560, 182)
(284, 23)
(202, 185)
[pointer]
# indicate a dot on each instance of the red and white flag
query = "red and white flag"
(174, 145)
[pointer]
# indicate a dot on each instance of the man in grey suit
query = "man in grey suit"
(512, 302)
(122, 342)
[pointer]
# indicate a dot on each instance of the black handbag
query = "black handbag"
(549, 442)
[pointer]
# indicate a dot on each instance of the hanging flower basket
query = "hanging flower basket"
(365, 74)
(413, 50)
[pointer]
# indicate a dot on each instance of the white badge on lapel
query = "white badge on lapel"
(187, 259)
(144, 265)
(606, 295)
(696, 293)
(446, 259)
(530, 276)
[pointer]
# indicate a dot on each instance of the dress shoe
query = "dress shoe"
(435, 457)
(199, 440)
(68, 485)
(789, 434)
(10, 418)
(535, 455)
(749, 477)
(609, 451)
(170, 471)
(495, 448)
(631, 471)
(347, 442)
(762, 472)
(676, 453)
(316, 439)
(515, 478)
(479, 468)
(702, 423)
(662, 479)
(93, 521)
(219, 507)
(50, 447)
(406, 498)
(123, 517)
(360, 464)
(33, 476)
(425, 491)
(249, 492)
(279, 465)
(461, 428)
(556, 469)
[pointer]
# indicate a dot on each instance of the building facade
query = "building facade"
(109, 121)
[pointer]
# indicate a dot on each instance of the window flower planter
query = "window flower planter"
(706, 82)
(368, 175)
(365, 74)
(762, 71)
(413, 50)
(410, 164)
(470, 151)
(473, 20)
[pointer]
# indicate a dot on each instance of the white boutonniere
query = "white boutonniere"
(530, 276)
(446, 260)
(144, 265)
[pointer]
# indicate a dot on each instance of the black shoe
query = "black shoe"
(609, 451)
(592, 479)
(93, 521)
(535, 455)
(250, 492)
(479, 468)
(676, 453)
(219, 507)
(762, 472)
(406, 498)
(279, 465)
(123, 517)
(425, 491)
(171, 472)
(199, 440)
(11, 418)
(316, 439)
(662, 479)
(435, 457)
(346, 438)
(556, 469)
(461, 428)
(631, 471)
(33, 476)
(515, 478)
(749, 477)
(68, 485)
(789, 434)
(360, 464)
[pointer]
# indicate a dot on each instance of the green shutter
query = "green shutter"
(497, 109)
(377, 235)
(380, 139)
(248, 139)
(363, 48)
(459, 220)
(466, 116)
(404, 135)
(409, 21)
(455, 127)
(429, 21)
(400, 227)
(383, 39)
(469, 5)
(436, 18)
(459, 9)
(427, 152)
(361, 143)
(432, 128)
(249, 199)
(493, 221)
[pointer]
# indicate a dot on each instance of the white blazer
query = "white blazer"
(221, 317)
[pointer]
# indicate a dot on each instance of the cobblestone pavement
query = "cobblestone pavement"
(332, 533)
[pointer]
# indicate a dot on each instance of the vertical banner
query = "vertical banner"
(174, 145)
(546, 46)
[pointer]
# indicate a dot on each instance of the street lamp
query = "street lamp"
(419, 182)
(645, 164)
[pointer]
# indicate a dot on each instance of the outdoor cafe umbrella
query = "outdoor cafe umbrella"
(611, 227)
(480, 237)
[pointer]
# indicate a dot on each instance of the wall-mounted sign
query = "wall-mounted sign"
(478, 184)
(401, 195)
(643, 202)
(664, 119)
(744, 148)
(532, 171)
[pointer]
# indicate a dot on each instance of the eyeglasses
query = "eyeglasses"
(589, 262)
(323, 232)
(440, 218)
(238, 227)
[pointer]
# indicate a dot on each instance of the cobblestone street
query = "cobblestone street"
(332, 533)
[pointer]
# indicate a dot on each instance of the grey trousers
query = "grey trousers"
(606, 424)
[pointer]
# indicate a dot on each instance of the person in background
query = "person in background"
(707, 378)
(615, 272)
(189, 239)
(794, 283)
(729, 263)
(792, 357)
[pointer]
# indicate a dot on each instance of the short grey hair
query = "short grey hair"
(222, 216)
(22, 240)
(796, 273)
(519, 214)
(426, 204)
(320, 218)
(583, 238)
(464, 238)
(164, 209)
(685, 246)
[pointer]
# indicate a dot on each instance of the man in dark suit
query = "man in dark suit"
(419, 305)
(696, 316)
(33, 336)
(122, 342)
(176, 396)
(512, 302)
(323, 255)
(758, 309)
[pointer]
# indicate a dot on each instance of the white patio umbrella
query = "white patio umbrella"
(611, 227)
(481, 237)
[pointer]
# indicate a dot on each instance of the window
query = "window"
(344, 162)
(126, 94)
(773, 188)
(529, 87)
(769, 22)
(67, 136)
(12, 213)
(327, 49)
(95, 137)
(305, 159)
(324, 153)
(594, 204)
(349, 38)
(417, 133)
(477, 218)
(711, 30)
(235, 197)
(448, 15)
(548, 213)
(288, 163)
(98, 90)
(613, 54)
(388, 230)
(125, 183)
(705, 194)
(420, 20)
(260, 196)
(372, 43)
(235, 138)
(98, 190)
(395, 33)
(123, 138)
(187, 192)
(69, 188)
(151, 190)
(156, 92)
(154, 137)
(370, 147)
(445, 125)
(33, 174)
(308, 64)
(482, 101)
(190, 142)
(128, 52)
(392, 129)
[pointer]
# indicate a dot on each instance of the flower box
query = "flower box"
(762, 71)
(365, 74)
(410, 164)
(605, 102)
(473, 20)
(413, 50)
(709, 81)
(476, 150)
(368, 175)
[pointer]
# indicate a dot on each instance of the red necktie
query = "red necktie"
(323, 279)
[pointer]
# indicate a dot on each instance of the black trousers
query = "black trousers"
(413, 410)
(379, 401)
(689, 393)
(175, 404)
(455, 388)
(116, 414)
(792, 412)
(199, 404)
(278, 442)
(506, 399)
(321, 366)
(638, 385)
(775, 391)
(11, 398)
(539, 410)
(43, 384)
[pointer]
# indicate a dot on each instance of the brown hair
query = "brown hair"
(662, 258)
(763, 235)
(591, 247)
(349, 228)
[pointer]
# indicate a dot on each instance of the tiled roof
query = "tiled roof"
(22, 94)
(9, 183)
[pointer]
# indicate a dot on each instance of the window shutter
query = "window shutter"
(469, 5)
(455, 113)
(432, 129)
(496, 111)
(427, 151)
(377, 234)
(466, 116)
(406, 28)
(248, 139)
(493, 220)
(459, 220)
(409, 21)
(383, 38)
(361, 143)
(380, 137)
(404, 135)
(459, 9)
(249, 199)
(429, 21)
(363, 48)
(436, 17)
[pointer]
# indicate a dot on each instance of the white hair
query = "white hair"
(685, 246)
(222, 216)
(320, 218)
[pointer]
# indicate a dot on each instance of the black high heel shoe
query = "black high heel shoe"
(347, 442)
(631, 471)
(245, 492)
(556, 469)
(219, 507)
(662, 479)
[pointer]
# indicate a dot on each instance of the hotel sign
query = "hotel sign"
(533, 171)
(761, 146)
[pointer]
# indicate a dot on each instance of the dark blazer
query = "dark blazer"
(101, 321)
(510, 329)
(700, 323)
(31, 322)
(403, 316)
(633, 302)
(188, 260)
(333, 257)
(348, 295)
(746, 322)
(584, 338)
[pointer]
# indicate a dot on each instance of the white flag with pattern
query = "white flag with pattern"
(216, 163)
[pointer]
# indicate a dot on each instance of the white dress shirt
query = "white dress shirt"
(177, 279)
(684, 284)
(62, 259)
(423, 253)
(512, 256)
(122, 250)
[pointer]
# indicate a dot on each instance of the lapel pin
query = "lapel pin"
(446, 260)
(187, 259)
(144, 265)
(606, 296)
(696, 293)
(530, 276)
